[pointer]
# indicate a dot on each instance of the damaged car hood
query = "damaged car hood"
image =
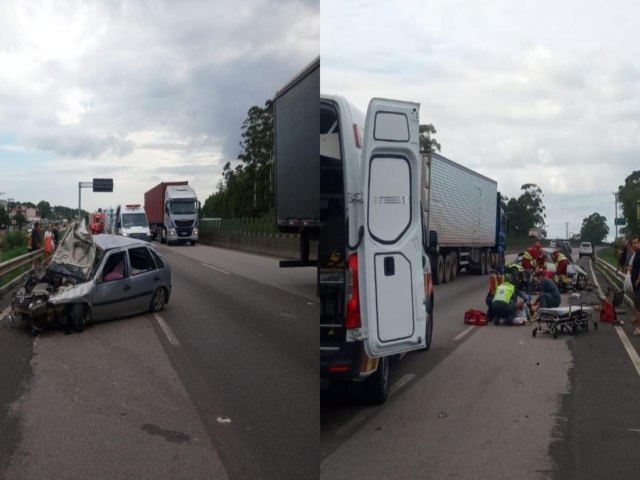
(75, 253)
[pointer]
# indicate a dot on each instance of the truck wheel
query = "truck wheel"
(163, 235)
(193, 243)
(447, 269)
(454, 265)
(438, 278)
(376, 387)
(77, 317)
(483, 263)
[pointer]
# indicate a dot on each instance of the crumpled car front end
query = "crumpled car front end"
(47, 295)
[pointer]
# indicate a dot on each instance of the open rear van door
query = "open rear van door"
(392, 295)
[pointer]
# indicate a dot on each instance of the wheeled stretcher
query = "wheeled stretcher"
(569, 319)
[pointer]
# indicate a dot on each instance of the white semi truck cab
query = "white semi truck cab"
(181, 214)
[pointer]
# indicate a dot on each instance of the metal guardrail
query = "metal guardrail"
(13, 264)
(617, 276)
(10, 265)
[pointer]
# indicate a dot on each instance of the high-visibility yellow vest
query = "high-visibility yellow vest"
(560, 258)
(504, 293)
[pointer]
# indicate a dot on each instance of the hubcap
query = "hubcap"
(159, 299)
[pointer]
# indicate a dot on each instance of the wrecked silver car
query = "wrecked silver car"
(93, 278)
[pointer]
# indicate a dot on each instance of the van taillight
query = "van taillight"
(357, 135)
(354, 320)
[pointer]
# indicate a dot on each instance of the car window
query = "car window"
(115, 267)
(141, 260)
(157, 258)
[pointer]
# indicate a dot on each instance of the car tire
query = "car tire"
(581, 282)
(428, 333)
(376, 387)
(159, 300)
(78, 317)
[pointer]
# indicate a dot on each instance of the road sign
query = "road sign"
(621, 221)
(103, 184)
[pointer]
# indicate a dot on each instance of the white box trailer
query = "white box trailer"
(464, 218)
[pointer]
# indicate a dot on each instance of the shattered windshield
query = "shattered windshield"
(134, 220)
(184, 208)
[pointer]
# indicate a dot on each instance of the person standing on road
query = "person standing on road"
(36, 238)
(56, 236)
(562, 265)
(624, 254)
(635, 280)
(530, 260)
(48, 243)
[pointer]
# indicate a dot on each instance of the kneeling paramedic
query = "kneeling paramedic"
(495, 280)
(504, 303)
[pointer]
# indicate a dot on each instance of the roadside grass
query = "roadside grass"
(608, 255)
(8, 255)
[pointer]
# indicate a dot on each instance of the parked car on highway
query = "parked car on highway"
(586, 250)
(575, 272)
(94, 278)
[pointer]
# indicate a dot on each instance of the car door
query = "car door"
(392, 294)
(113, 287)
(144, 278)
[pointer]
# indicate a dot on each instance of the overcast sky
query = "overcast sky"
(540, 91)
(139, 91)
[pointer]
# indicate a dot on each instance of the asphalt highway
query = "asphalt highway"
(221, 384)
(494, 402)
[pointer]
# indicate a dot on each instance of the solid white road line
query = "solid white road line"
(362, 416)
(173, 340)
(5, 312)
(633, 355)
(463, 333)
(216, 269)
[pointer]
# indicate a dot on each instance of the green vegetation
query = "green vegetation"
(524, 212)
(246, 190)
(594, 229)
(260, 225)
(629, 197)
(608, 255)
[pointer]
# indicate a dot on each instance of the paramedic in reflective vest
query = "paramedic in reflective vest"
(562, 263)
(504, 302)
(549, 293)
(495, 280)
(530, 259)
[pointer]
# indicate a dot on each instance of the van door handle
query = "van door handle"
(389, 267)
(127, 287)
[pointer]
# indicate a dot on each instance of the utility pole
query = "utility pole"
(567, 230)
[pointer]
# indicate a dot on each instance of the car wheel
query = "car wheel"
(376, 387)
(428, 333)
(158, 300)
(581, 282)
(77, 317)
